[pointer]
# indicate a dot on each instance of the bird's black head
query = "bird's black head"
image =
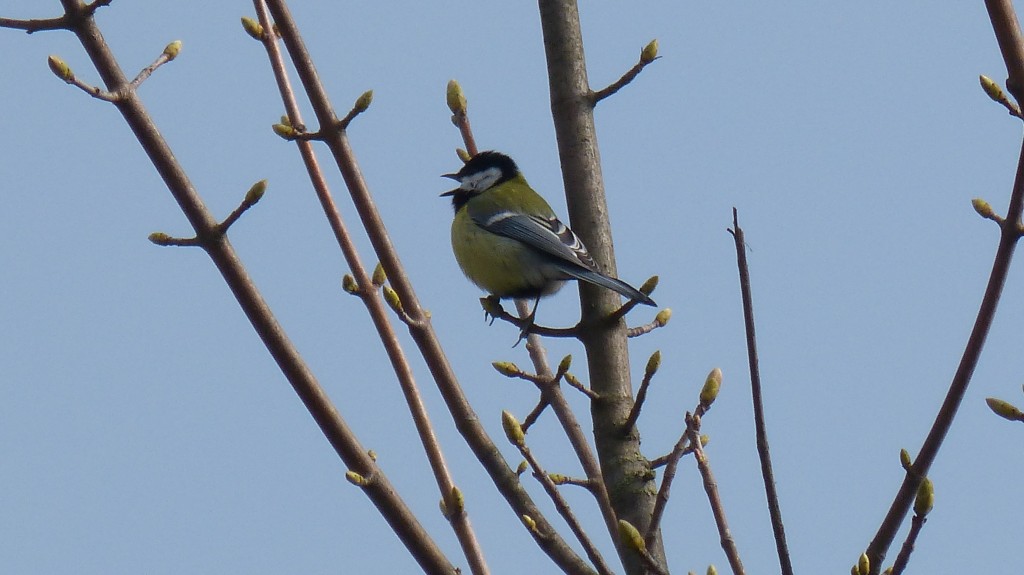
(480, 167)
(482, 172)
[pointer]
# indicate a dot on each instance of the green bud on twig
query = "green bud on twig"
(285, 131)
(363, 102)
(864, 564)
(253, 28)
(663, 316)
(653, 363)
(256, 192)
(513, 429)
(391, 296)
(992, 88)
(983, 208)
(348, 283)
(631, 536)
(458, 500)
(1004, 409)
(925, 499)
(159, 238)
(60, 68)
(507, 368)
(650, 52)
(564, 365)
(712, 385)
(529, 523)
(172, 50)
(379, 276)
(356, 479)
(455, 98)
(648, 286)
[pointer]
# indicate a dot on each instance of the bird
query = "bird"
(509, 242)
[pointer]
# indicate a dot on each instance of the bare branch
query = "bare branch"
(647, 55)
(711, 488)
(641, 394)
(708, 394)
(359, 107)
(421, 330)
(342, 439)
(767, 475)
(61, 69)
(572, 111)
(372, 300)
(65, 22)
(1008, 35)
(169, 53)
(922, 506)
(578, 385)
(556, 497)
(660, 320)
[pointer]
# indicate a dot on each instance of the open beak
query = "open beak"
(453, 177)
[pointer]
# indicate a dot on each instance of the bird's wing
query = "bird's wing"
(545, 234)
(550, 236)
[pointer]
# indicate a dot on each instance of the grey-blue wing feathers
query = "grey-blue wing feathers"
(550, 236)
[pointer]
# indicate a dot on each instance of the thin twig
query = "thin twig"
(36, 24)
(560, 479)
(648, 55)
(146, 72)
(565, 511)
(65, 22)
(251, 198)
(671, 463)
(552, 394)
(495, 310)
(711, 488)
(767, 475)
(575, 383)
(631, 421)
(660, 320)
(461, 121)
(903, 557)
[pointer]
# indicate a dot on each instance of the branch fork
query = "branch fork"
(252, 197)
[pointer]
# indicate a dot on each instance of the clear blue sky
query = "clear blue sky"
(144, 429)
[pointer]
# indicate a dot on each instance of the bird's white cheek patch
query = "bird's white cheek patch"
(480, 181)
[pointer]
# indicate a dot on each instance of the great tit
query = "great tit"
(508, 240)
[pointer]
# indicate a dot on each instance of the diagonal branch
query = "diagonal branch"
(371, 299)
(647, 55)
(1008, 34)
(344, 441)
(420, 328)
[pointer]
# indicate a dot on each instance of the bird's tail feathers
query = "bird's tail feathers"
(611, 283)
